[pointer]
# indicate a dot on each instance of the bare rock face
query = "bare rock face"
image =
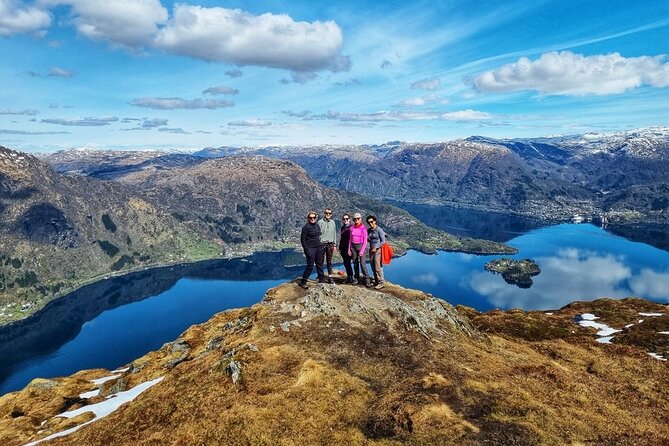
(359, 307)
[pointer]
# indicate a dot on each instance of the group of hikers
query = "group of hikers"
(319, 239)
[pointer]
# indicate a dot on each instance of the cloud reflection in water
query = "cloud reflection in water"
(572, 274)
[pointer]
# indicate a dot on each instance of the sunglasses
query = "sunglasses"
(312, 218)
(357, 218)
(328, 213)
(346, 219)
(369, 222)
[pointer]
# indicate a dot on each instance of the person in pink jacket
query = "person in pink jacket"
(357, 250)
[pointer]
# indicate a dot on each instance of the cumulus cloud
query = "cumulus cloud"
(24, 111)
(179, 103)
(393, 116)
(567, 73)
(17, 18)
(430, 84)
(250, 123)
(60, 72)
(220, 90)
(129, 23)
(271, 40)
(81, 122)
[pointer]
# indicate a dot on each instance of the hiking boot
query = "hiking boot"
(303, 285)
(379, 286)
(368, 283)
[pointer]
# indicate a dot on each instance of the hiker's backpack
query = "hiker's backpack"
(386, 253)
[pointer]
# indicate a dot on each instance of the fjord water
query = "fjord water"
(112, 322)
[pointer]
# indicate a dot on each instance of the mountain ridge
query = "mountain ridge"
(550, 178)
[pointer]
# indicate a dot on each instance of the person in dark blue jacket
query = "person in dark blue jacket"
(311, 244)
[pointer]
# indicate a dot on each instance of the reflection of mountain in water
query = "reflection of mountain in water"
(63, 318)
(471, 223)
(654, 235)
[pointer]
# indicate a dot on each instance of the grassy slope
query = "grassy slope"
(364, 376)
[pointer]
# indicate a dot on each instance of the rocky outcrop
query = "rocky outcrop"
(514, 272)
(342, 364)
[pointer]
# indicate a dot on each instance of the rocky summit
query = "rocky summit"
(345, 365)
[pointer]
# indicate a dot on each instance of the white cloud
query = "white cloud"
(17, 18)
(176, 130)
(25, 111)
(24, 132)
(395, 116)
(60, 72)
(235, 72)
(300, 77)
(179, 103)
(250, 123)
(567, 73)
(430, 84)
(234, 36)
(145, 123)
(221, 89)
(129, 23)
(81, 122)
(423, 100)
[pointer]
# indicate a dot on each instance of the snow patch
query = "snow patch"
(651, 314)
(664, 332)
(603, 331)
(101, 409)
(657, 356)
(91, 394)
(103, 380)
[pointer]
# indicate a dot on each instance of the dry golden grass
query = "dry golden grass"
(331, 383)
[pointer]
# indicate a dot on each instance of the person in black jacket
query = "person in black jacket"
(311, 244)
(345, 247)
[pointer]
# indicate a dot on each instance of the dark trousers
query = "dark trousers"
(314, 255)
(359, 260)
(347, 263)
(328, 250)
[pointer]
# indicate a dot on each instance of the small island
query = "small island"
(515, 272)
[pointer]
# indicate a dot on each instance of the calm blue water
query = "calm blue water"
(578, 262)
(110, 323)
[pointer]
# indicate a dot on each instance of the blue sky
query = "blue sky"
(138, 74)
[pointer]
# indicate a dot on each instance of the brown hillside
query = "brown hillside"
(343, 365)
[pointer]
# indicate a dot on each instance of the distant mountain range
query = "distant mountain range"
(621, 174)
(59, 232)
